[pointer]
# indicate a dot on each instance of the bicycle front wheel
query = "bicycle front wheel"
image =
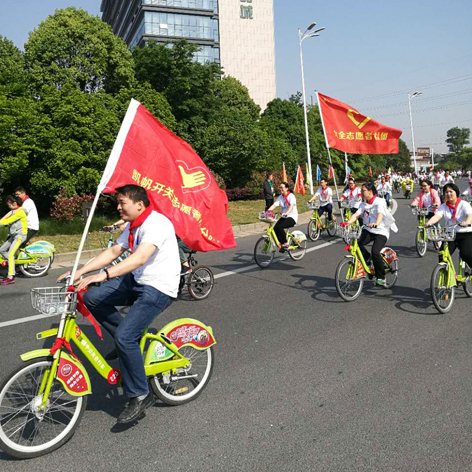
(313, 230)
(25, 430)
(263, 252)
(176, 388)
(297, 253)
(442, 295)
(347, 285)
(200, 282)
(421, 244)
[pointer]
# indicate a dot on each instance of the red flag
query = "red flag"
(330, 172)
(180, 185)
(284, 173)
(299, 182)
(348, 130)
(370, 171)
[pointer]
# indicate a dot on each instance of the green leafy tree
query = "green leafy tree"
(13, 77)
(457, 138)
(73, 48)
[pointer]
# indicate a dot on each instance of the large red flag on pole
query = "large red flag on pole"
(299, 182)
(348, 130)
(180, 185)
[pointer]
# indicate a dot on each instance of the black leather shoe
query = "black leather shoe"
(112, 355)
(135, 408)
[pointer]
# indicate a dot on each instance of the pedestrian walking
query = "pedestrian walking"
(269, 192)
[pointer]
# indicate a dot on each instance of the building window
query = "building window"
(200, 4)
(138, 35)
(185, 26)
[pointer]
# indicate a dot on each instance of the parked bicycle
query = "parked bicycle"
(422, 238)
(264, 250)
(444, 278)
(43, 400)
(316, 226)
(199, 280)
(352, 270)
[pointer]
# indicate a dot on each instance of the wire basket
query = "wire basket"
(53, 300)
(382, 193)
(350, 233)
(345, 204)
(313, 205)
(267, 218)
(420, 211)
(436, 233)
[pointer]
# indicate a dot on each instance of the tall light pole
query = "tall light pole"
(309, 33)
(410, 96)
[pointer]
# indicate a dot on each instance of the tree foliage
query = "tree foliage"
(457, 138)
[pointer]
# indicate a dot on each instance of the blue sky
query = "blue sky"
(370, 55)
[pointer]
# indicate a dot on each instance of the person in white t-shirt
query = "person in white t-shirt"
(468, 192)
(455, 211)
(31, 214)
(373, 211)
(289, 213)
(384, 190)
(325, 195)
(148, 279)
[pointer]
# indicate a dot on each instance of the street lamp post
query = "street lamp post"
(309, 33)
(410, 96)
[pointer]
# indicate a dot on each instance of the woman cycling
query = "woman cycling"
(456, 211)
(377, 221)
(325, 195)
(353, 195)
(384, 189)
(427, 198)
(288, 203)
(467, 194)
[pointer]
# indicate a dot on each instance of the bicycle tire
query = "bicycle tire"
(343, 285)
(32, 370)
(200, 282)
(33, 270)
(177, 392)
(313, 230)
(331, 228)
(443, 298)
(421, 244)
(391, 274)
(468, 283)
(263, 252)
(299, 253)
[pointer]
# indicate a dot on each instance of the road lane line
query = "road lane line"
(217, 276)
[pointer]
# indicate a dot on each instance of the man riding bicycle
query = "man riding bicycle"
(325, 195)
(148, 280)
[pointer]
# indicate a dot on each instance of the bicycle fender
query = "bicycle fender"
(185, 331)
(27, 356)
(73, 376)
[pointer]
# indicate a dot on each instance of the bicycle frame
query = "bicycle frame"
(270, 232)
(355, 271)
(453, 277)
(73, 376)
(315, 216)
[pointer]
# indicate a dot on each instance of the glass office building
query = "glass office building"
(238, 34)
(138, 21)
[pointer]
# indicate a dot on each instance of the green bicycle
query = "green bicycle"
(43, 400)
(421, 240)
(315, 225)
(264, 250)
(444, 278)
(352, 270)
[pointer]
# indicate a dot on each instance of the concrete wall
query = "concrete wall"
(248, 47)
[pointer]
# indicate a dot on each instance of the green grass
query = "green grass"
(65, 235)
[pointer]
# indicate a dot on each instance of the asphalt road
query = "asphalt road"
(302, 379)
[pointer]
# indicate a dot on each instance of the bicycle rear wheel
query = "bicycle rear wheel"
(443, 296)
(180, 387)
(347, 285)
(36, 269)
(200, 282)
(313, 230)
(331, 228)
(263, 252)
(468, 283)
(421, 244)
(299, 252)
(391, 275)
(27, 432)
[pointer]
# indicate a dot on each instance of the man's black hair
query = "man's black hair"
(20, 189)
(14, 199)
(135, 193)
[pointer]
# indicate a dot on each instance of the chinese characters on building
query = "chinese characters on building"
(246, 10)
(361, 136)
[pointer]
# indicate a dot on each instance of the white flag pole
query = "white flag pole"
(329, 153)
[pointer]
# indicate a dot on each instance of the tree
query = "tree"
(73, 48)
(13, 78)
(457, 138)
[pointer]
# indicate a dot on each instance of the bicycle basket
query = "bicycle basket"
(420, 211)
(435, 233)
(313, 205)
(267, 217)
(345, 204)
(53, 300)
(350, 233)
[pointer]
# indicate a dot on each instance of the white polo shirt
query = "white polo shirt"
(31, 214)
(283, 204)
(162, 269)
(327, 193)
(463, 211)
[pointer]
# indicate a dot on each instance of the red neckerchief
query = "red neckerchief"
(352, 190)
(136, 224)
(454, 208)
(26, 198)
(371, 200)
(286, 198)
(324, 194)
